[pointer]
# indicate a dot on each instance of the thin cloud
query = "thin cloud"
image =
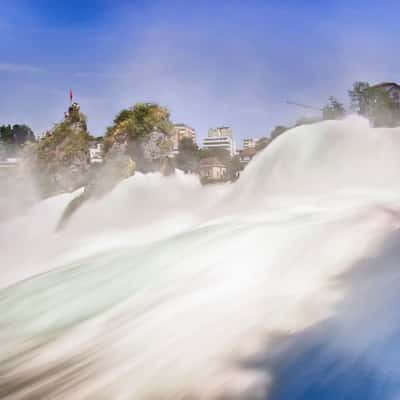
(101, 75)
(5, 67)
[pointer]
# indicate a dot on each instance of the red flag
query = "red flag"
(70, 94)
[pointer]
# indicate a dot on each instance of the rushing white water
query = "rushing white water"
(166, 289)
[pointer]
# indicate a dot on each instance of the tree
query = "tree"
(334, 109)
(262, 143)
(382, 109)
(12, 138)
(17, 134)
(123, 115)
(22, 134)
(222, 155)
(188, 155)
(235, 166)
(278, 130)
(307, 121)
(139, 122)
(359, 97)
(7, 134)
(375, 103)
(144, 118)
(145, 131)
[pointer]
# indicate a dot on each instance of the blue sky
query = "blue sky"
(210, 62)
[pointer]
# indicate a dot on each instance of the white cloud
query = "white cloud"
(100, 75)
(5, 67)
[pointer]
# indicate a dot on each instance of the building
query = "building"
(9, 163)
(392, 88)
(9, 168)
(379, 113)
(182, 131)
(250, 143)
(220, 138)
(96, 151)
(246, 155)
(220, 132)
(223, 142)
(212, 170)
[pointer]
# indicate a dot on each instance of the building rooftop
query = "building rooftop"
(249, 152)
(211, 162)
(9, 162)
(212, 138)
(386, 84)
(183, 126)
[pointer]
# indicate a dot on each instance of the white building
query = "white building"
(96, 152)
(8, 168)
(220, 132)
(220, 138)
(10, 162)
(249, 143)
(212, 170)
(182, 131)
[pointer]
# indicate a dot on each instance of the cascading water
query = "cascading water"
(266, 288)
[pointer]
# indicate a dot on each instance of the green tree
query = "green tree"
(188, 155)
(277, 131)
(222, 155)
(359, 99)
(123, 115)
(144, 133)
(333, 110)
(382, 109)
(12, 138)
(17, 134)
(307, 121)
(375, 103)
(7, 134)
(235, 165)
(138, 122)
(22, 134)
(262, 143)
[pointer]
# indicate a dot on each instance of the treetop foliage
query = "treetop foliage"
(142, 119)
(375, 103)
(16, 134)
(333, 110)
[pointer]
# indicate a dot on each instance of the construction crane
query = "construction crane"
(303, 105)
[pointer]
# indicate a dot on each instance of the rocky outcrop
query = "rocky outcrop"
(146, 131)
(117, 166)
(167, 167)
(62, 156)
(140, 139)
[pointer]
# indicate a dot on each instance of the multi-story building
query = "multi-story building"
(220, 132)
(220, 138)
(250, 143)
(182, 131)
(246, 155)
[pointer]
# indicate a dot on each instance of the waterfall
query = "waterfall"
(282, 285)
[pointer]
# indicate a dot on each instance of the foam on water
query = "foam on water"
(166, 289)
